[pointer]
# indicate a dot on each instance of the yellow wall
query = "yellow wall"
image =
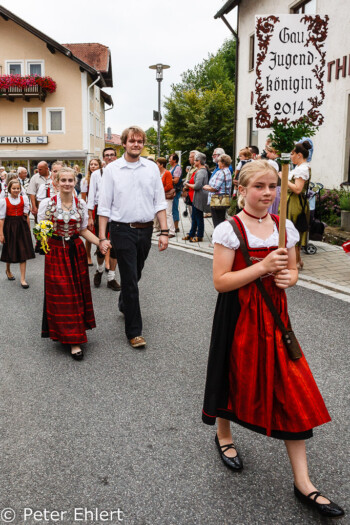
(19, 44)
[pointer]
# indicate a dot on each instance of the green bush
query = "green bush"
(330, 207)
(344, 201)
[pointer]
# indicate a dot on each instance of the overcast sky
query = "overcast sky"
(139, 33)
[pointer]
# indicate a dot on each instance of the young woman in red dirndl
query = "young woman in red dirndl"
(251, 380)
(15, 231)
(68, 309)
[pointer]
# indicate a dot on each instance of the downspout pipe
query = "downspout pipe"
(235, 34)
(88, 111)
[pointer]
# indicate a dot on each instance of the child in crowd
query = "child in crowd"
(15, 231)
(251, 378)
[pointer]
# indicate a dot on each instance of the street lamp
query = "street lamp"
(159, 77)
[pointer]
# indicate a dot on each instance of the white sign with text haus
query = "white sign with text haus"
(290, 61)
(23, 139)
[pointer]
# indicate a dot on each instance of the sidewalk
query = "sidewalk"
(327, 271)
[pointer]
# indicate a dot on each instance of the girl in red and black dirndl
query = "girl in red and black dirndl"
(68, 309)
(251, 379)
(14, 231)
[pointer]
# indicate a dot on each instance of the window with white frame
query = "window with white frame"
(32, 120)
(35, 67)
(251, 52)
(55, 120)
(14, 67)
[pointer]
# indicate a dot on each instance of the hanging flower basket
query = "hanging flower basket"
(22, 82)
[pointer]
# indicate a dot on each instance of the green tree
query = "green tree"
(200, 109)
(152, 142)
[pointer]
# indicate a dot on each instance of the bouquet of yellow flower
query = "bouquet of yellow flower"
(42, 231)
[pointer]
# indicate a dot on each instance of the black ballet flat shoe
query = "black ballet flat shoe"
(78, 356)
(25, 286)
(233, 463)
(12, 278)
(328, 510)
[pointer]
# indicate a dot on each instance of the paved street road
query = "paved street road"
(122, 429)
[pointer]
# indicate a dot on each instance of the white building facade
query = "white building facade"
(330, 163)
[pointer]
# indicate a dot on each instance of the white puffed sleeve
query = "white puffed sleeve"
(300, 172)
(42, 209)
(293, 235)
(224, 234)
(84, 186)
(26, 204)
(84, 220)
(2, 208)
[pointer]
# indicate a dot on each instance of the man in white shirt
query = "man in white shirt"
(23, 179)
(109, 155)
(131, 194)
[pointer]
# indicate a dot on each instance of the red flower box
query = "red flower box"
(9, 81)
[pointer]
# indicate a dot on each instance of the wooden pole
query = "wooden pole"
(283, 206)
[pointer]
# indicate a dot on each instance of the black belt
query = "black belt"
(59, 238)
(136, 224)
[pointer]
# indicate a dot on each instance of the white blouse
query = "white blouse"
(225, 235)
(84, 185)
(45, 202)
(300, 172)
(3, 205)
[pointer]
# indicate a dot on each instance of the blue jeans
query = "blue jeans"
(197, 226)
(176, 199)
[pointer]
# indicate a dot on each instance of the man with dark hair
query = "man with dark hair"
(176, 173)
(131, 194)
(109, 155)
(254, 151)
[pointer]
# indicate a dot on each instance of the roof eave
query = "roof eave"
(230, 4)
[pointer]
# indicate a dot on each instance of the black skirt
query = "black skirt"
(18, 245)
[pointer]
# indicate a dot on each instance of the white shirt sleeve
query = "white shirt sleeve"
(42, 209)
(92, 189)
(274, 164)
(84, 186)
(26, 204)
(105, 199)
(159, 201)
(300, 172)
(224, 234)
(293, 235)
(3, 208)
(84, 221)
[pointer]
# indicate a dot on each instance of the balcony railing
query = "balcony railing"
(27, 87)
(26, 93)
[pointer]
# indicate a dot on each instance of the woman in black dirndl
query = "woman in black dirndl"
(15, 231)
(68, 309)
(251, 378)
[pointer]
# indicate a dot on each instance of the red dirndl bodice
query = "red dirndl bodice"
(14, 210)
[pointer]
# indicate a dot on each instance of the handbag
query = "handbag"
(170, 194)
(288, 336)
(220, 202)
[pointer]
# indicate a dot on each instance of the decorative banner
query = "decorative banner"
(290, 61)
